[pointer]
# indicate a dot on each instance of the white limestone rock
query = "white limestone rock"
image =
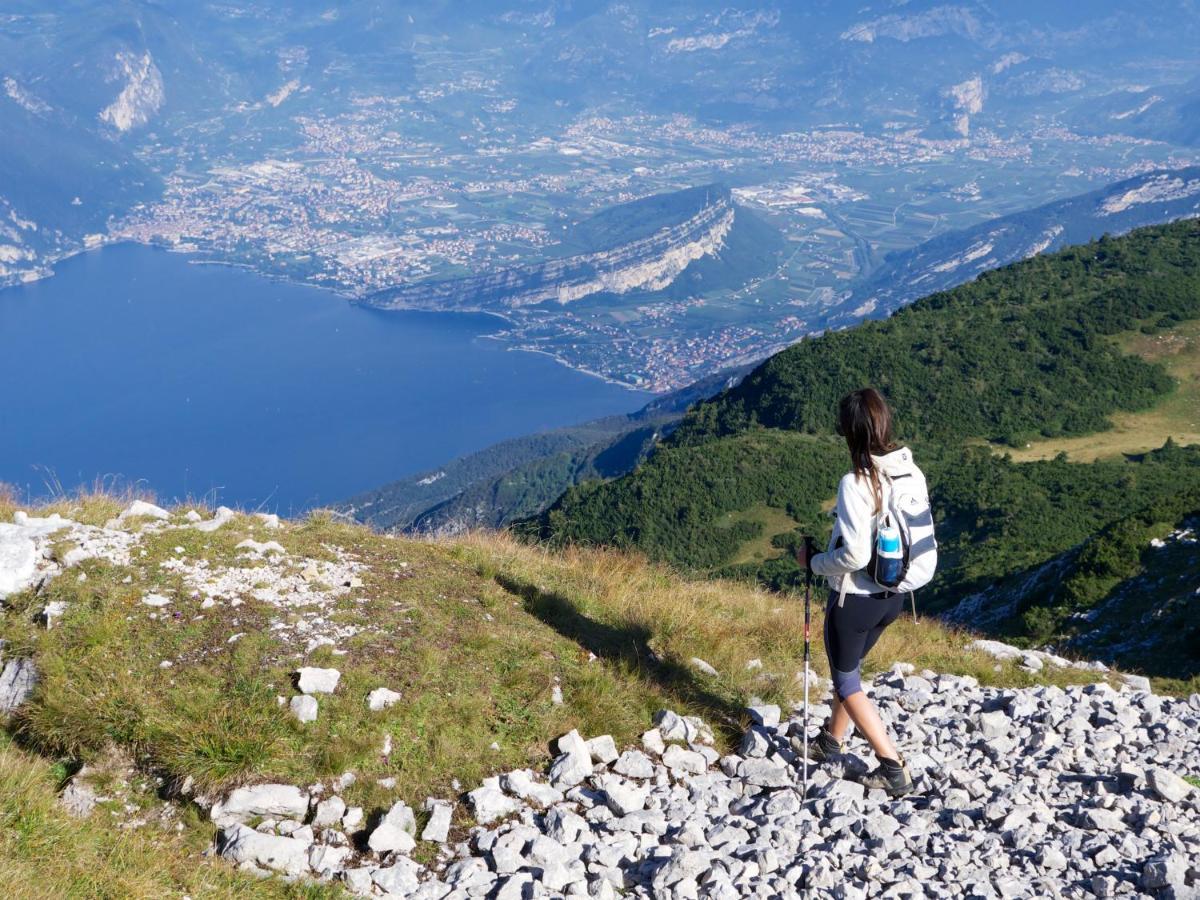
(621, 796)
(223, 516)
(524, 785)
(1168, 785)
(313, 680)
(329, 812)
(304, 708)
(327, 861)
(603, 749)
(142, 508)
(245, 803)
(437, 829)
(286, 855)
(18, 678)
(381, 698)
(490, 803)
(395, 830)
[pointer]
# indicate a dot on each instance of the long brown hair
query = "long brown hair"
(865, 421)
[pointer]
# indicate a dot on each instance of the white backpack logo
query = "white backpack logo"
(906, 509)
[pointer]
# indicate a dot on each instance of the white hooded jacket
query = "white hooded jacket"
(851, 543)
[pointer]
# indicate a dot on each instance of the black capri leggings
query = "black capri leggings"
(851, 630)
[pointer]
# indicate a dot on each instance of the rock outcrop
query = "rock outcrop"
(649, 262)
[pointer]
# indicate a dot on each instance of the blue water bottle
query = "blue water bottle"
(889, 555)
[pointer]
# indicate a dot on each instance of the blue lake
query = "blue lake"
(213, 382)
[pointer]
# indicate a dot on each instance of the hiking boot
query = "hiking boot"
(891, 776)
(821, 748)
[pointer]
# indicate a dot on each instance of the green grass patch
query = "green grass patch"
(768, 523)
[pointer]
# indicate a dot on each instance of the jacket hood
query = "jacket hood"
(898, 462)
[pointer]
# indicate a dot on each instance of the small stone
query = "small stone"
(327, 861)
(766, 773)
(358, 880)
(1103, 820)
(1167, 870)
(621, 796)
(329, 812)
(574, 762)
(1052, 858)
(764, 714)
(702, 667)
(1138, 682)
(521, 783)
(395, 830)
(603, 749)
(653, 742)
(304, 708)
(381, 698)
(1168, 785)
(994, 724)
(53, 611)
(157, 600)
(17, 681)
(312, 680)
(401, 878)
(246, 803)
(142, 508)
(684, 762)
(634, 764)
(437, 829)
(281, 854)
(490, 803)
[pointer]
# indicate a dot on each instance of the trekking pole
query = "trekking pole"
(808, 553)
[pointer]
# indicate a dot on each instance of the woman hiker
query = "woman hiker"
(859, 609)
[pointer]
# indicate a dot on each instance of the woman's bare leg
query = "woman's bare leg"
(859, 708)
(839, 722)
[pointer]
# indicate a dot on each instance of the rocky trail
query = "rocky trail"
(1036, 791)
(1021, 793)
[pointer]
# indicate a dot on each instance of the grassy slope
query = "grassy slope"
(474, 633)
(1176, 416)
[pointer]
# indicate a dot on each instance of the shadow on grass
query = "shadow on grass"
(628, 648)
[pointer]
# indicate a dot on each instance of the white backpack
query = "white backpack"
(906, 506)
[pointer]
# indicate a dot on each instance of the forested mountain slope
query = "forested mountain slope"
(1027, 352)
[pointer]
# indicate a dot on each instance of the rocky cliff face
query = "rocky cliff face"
(650, 263)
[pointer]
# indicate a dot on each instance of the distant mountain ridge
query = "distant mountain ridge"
(643, 245)
(957, 256)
